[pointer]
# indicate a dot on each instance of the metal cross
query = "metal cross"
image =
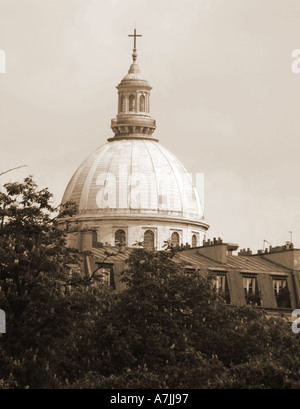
(135, 35)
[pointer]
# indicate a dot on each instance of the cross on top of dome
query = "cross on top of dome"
(135, 35)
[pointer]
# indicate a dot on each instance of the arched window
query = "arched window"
(131, 103)
(142, 103)
(194, 240)
(122, 103)
(149, 240)
(120, 237)
(174, 239)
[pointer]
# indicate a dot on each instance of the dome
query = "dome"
(132, 189)
(134, 74)
(133, 177)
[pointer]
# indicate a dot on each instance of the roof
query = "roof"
(134, 177)
(244, 263)
(134, 74)
(101, 254)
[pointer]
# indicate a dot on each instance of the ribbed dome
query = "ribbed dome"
(134, 74)
(133, 177)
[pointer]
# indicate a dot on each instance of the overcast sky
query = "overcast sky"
(224, 97)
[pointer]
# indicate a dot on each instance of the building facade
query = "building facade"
(268, 279)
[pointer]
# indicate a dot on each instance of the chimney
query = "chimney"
(245, 252)
(214, 249)
(286, 256)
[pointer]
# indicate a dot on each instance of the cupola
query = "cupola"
(133, 119)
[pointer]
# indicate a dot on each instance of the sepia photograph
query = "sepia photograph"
(149, 208)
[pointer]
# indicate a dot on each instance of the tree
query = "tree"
(168, 329)
(33, 269)
(49, 327)
(32, 250)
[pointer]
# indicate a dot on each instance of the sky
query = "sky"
(225, 98)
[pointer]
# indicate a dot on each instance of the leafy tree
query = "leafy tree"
(168, 329)
(33, 270)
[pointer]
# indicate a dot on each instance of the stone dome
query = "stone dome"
(134, 177)
(133, 189)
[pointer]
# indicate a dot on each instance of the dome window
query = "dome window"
(142, 103)
(194, 240)
(149, 240)
(131, 103)
(120, 237)
(122, 104)
(174, 239)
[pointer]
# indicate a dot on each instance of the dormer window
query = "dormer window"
(251, 292)
(220, 284)
(282, 294)
(131, 103)
(142, 103)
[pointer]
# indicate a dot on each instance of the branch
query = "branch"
(87, 279)
(9, 170)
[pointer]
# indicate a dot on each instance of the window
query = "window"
(104, 276)
(282, 293)
(131, 103)
(219, 283)
(221, 286)
(149, 240)
(249, 284)
(122, 103)
(120, 237)
(174, 239)
(95, 238)
(194, 240)
(251, 290)
(142, 103)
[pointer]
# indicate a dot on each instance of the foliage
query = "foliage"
(33, 260)
(178, 329)
(166, 329)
